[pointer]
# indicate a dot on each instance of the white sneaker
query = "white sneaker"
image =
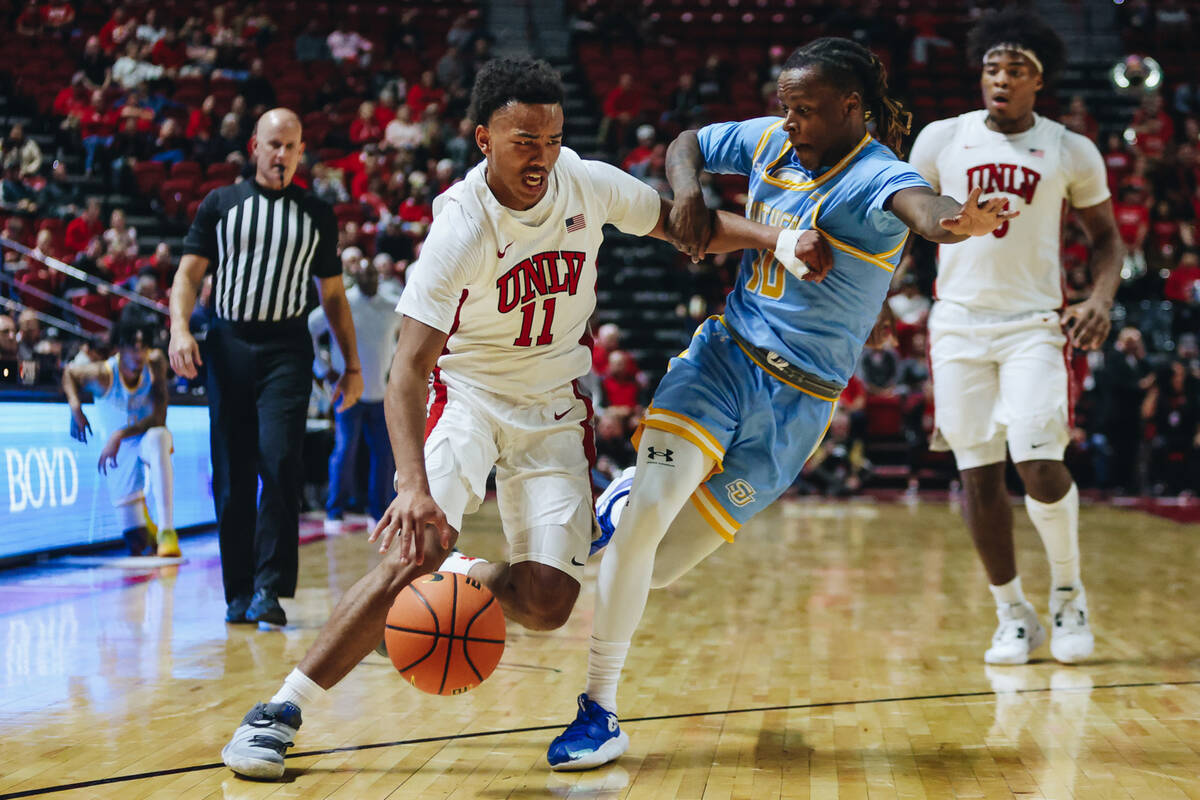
(334, 526)
(1018, 634)
(1072, 639)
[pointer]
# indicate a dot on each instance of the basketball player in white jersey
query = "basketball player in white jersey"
(496, 309)
(129, 392)
(1001, 331)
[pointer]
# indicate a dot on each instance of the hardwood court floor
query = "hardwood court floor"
(834, 652)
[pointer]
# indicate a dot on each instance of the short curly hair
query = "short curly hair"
(1018, 26)
(505, 80)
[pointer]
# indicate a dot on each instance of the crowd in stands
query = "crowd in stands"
(156, 103)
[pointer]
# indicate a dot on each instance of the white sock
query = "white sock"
(298, 689)
(605, 660)
(1058, 525)
(457, 562)
(1008, 594)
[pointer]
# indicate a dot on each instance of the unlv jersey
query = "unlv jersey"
(515, 289)
(1016, 268)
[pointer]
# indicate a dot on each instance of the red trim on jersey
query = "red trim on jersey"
(438, 405)
(1072, 386)
(589, 430)
(438, 389)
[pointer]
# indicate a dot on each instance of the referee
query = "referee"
(263, 239)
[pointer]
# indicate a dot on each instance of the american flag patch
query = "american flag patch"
(1035, 151)
(576, 223)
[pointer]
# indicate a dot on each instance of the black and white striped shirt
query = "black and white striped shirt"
(263, 246)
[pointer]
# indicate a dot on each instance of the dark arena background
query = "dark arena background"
(836, 650)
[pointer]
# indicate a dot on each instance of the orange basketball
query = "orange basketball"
(445, 633)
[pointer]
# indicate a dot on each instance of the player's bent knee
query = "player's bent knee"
(547, 595)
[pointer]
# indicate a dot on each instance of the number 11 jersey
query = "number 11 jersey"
(515, 289)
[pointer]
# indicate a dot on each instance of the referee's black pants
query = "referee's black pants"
(259, 382)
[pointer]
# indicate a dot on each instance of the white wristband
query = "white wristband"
(785, 251)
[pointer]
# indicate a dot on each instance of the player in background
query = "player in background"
(496, 309)
(1000, 330)
(129, 392)
(738, 413)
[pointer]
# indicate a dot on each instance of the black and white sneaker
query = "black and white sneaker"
(258, 745)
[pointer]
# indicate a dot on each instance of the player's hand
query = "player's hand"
(814, 251)
(108, 456)
(689, 225)
(978, 219)
(1087, 324)
(80, 427)
(407, 521)
(884, 333)
(184, 353)
(349, 388)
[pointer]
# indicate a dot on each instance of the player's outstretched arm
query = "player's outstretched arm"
(74, 380)
(807, 254)
(417, 349)
(690, 223)
(943, 219)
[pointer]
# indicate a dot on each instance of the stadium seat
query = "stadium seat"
(149, 176)
(187, 169)
(97, 304)
(222, 171)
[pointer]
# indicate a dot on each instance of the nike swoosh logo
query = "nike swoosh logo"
(563, 414)
(576, 563)
(500, 253)
(1039, 444)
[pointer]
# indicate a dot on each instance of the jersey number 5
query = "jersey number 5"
(527, 313)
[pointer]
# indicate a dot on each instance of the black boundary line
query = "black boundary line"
(480, 734)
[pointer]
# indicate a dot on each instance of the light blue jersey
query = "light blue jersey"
(758, 427)
(819, 327)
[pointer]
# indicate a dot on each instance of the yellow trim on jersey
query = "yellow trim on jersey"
(813, 184)
(673, 422)
(849, 248)
(762, 140)
(714, 513)
(761, 366)
(895, 249)
(821, 438)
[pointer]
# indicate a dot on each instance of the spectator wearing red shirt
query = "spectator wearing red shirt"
(1117, 161)
(169, 52)
(162, 261)
(1133, 220)
(73, 98)
(365, 129)
(608, 339)
(639, 157)
(200, 120)
(83, 229)
(1183, 284)
(1164, 229)
(424, 93)
(57, 15)
(97, 124)
(620, 384)
(118, 30)
(385, 109)
(1153, 127)
(621, 108)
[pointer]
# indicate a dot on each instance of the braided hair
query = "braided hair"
(1018, 27)
(852, 67)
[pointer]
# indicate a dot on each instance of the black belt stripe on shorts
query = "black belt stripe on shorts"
(784, 370)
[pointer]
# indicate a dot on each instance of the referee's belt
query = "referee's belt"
(779, 367)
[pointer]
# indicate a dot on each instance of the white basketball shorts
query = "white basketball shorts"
(999, 377)
(127, 481)
(541, 448)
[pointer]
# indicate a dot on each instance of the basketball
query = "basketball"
(445, 633)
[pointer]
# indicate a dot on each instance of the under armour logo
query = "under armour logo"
(665, 455)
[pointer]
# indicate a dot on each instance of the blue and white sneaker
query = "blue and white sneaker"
(593, 739)
(258, 745)
(609, 505)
